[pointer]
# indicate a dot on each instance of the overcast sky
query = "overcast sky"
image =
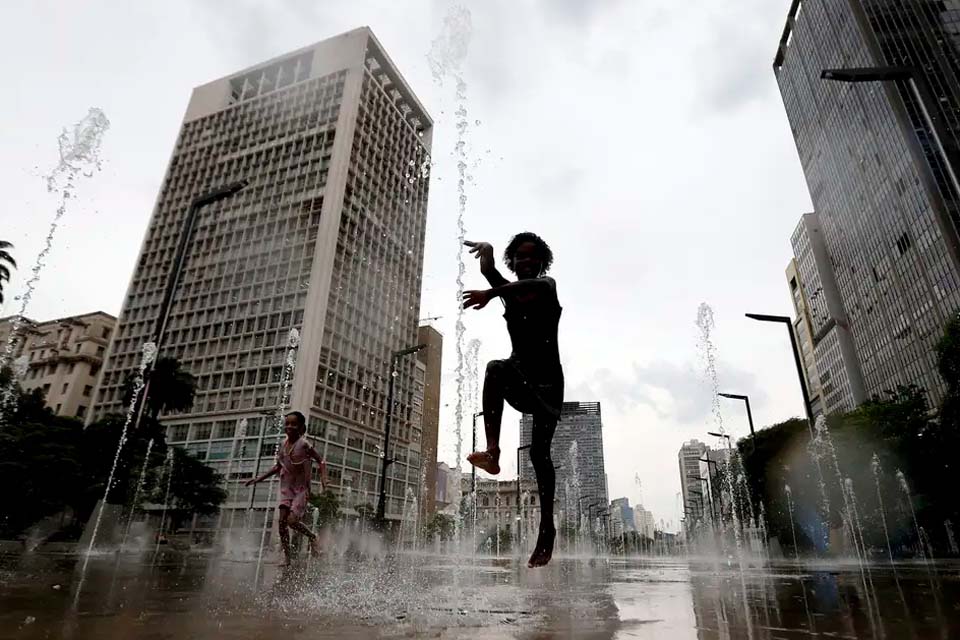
(644, 139)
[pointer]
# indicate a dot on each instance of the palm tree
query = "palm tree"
(171, 388)
(5, 260)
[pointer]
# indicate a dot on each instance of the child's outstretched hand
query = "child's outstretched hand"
(250, 482)
(483, 251)
(475, 299)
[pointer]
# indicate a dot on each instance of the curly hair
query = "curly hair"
(543, 250)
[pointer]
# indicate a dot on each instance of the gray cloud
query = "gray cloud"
(676, 393)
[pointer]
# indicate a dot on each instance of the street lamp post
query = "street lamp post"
(924, 97)
(173, 278)
(394, 359)
(746, 399)
(519, 515)
(796, 359)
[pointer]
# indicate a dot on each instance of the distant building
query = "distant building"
(644, 522)
(621, 516)
(803, 332)
(577, 453)
(497, 501)
(430, 361)
(828, 346)
(447, 495)
(64, 358)
(692, 481)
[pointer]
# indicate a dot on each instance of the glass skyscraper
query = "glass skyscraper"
(886, 206)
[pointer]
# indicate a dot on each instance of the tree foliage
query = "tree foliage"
(49, 464)
(171, 388)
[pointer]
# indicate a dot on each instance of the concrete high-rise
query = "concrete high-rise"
(830, 355)
(63, 357)
(430, 359)
(327, 238)
(693, 482)
(803, 330)
(884, 194)
(580, 423)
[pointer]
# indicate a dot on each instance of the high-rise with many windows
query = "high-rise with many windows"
(823, 331)
(577, 452)
(882, 188)
(327, 239)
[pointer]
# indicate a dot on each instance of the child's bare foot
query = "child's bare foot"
(316, 550)
(543, 552)
(488, 461)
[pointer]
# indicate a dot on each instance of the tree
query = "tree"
(366, 512)
(6, 263)
(171, 388)
(195, 488)
(440, 526)
(328, 504)
(51, 463)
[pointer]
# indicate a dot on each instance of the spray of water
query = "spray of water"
(166, 501)
(290, 361)
(448, 52)
(137, 493)
(79, 149)
(875, 467)
(148, 355)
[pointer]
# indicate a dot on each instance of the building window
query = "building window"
(64, 390)
(46, 389)
(94, 369)
(58, 408)
(70, 368)
(99, 352)
(106, 333)
(86, 390)
(81, 411)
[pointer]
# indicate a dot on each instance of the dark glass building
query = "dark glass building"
(886, 201)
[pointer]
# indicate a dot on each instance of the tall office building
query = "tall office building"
(693, 481)
(580, 423)
(430, 359)
(825, 335)
(884, 194)
(63, 357)
(327, 238)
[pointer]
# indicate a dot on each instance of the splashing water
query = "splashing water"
(149, 354)
(902, 481)
(290, 362)
(448, 52)
(137, 493)
(166, 501)
(79, 156)
(875, 467)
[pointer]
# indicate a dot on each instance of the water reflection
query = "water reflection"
(187, 596)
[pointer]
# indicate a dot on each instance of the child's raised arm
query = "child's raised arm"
(275, 470)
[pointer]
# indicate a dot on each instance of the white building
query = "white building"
(327, 239)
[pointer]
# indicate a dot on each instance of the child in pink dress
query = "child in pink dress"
(294, 464)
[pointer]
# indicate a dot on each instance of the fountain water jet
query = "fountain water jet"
(136, 495)
(79, 150)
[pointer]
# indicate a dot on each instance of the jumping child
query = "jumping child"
(531, 379)
(294, 458)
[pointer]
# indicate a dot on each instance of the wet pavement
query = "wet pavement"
(190, 596)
